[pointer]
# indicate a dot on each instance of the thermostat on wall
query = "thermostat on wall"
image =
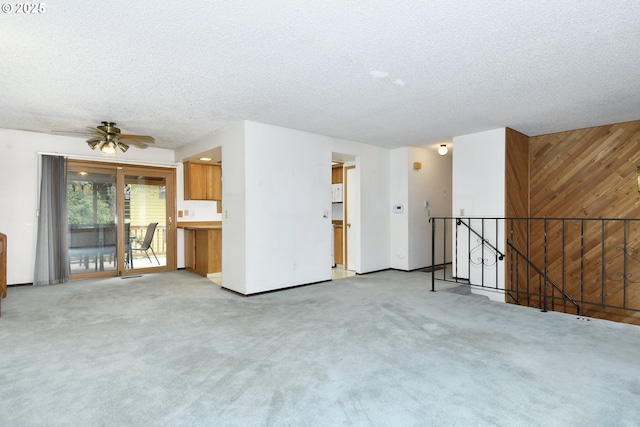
(398, 208)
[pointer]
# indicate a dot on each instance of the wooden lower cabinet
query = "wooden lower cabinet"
(337, 244)
(203, 250)
(190, 250)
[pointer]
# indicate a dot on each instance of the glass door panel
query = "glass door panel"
(91, 202)
(145, 219)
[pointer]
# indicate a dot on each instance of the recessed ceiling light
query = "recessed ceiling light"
(83, 173)
(205, 159)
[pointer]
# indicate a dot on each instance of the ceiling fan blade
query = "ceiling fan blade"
(138, 138)
(141, 145)
(74, 132)
(96, 130)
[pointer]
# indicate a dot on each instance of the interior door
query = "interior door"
(352, 216)
(110, 210)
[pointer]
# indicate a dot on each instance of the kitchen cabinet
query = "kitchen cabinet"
(336, 174)
(202, 182)
(203, 249)
(337, 242)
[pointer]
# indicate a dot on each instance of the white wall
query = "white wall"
(288, 179)
(234, 233)
(19, 188)
(479, 191)
(399, 222)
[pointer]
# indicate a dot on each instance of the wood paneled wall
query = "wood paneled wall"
(588, 173)
(516, 199)
(517, 174)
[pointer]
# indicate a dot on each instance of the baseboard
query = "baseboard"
(274, 290)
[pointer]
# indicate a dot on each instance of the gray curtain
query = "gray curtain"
(52, 255)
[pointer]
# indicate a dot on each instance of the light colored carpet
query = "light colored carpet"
(173, 349)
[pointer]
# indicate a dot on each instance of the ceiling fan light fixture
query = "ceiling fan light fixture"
(109, 138)
(442, 150)
(109, 147)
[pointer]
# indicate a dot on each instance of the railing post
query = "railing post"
(433, 253)
(496, 259)
(624, 264)
(545, 265)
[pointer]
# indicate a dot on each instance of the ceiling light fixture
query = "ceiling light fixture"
(109, 147)
(205, 159)
(442, 150)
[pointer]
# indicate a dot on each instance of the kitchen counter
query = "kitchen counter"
(200, 225)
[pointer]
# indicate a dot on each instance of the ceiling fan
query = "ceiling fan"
(107, 137)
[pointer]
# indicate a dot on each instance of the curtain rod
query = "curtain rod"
(110, 160)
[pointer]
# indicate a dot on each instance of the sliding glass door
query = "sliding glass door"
(120, 219)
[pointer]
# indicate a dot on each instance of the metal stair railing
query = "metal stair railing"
(592, 264)
(484, 241)
(546, 278)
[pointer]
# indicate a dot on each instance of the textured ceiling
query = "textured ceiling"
(388, 73)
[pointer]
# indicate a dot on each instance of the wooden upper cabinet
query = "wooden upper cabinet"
(202, 182)
(336, 174)
(214, 182)
(195, 181)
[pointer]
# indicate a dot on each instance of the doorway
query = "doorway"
(120, 219)
(345, 215)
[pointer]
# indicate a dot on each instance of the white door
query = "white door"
(352, 223)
